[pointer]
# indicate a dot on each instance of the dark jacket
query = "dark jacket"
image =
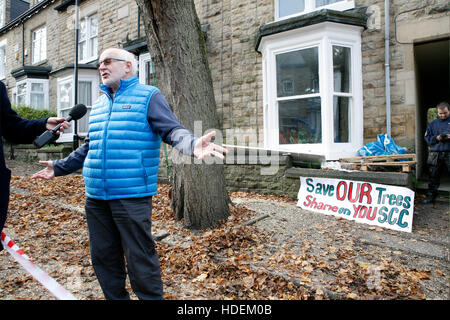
(435, 128)
(17, 130)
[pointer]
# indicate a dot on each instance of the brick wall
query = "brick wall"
(237, 68)
(235, 65)
(112, 32)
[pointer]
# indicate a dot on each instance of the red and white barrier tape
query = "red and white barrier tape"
(54, 287)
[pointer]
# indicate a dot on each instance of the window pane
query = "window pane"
(65, 114)
(2, 13)
(320, 3)
(341, 113)
(298, 72)
(21, 89)
(21, 100)
(37, 87)
(83, 123)
(341, 69)
(300, 121)
(93, 26)
(288, 7)
(37, 100)
(43, 45)
(93, 47)
(82, 50)
(83, 29)
(39, 45)
(150, 77)
(2, 61)
(65, 95)
(85, 92)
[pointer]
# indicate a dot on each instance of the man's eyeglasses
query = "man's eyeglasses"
(108, 61)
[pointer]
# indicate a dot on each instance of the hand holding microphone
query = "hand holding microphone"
(76, 113)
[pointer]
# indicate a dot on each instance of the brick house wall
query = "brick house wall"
(231, 28)
(116, 19)
(237, 75)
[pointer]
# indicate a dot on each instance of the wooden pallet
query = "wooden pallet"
(383, 161)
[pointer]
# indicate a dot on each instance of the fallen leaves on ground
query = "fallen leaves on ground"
(221, 263)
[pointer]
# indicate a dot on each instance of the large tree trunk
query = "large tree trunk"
(178, 52)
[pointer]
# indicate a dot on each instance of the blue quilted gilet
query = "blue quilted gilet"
(123, 157)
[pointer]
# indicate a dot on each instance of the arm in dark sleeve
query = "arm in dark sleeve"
(73, 161)
(431, 135)
(163, 121)
(14, 128)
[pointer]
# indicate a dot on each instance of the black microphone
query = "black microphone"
(76, 113)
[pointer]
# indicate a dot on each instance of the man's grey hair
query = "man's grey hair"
(128, 56)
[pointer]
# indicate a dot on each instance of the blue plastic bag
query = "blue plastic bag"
(384, 145)
(390, 146)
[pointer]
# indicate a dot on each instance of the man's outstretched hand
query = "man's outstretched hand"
(204, 148)
(47, 173)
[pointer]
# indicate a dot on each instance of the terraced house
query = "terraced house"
(305, 77)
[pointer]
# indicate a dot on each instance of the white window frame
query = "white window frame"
(2, 12)
(310, 6)
(28, 83)
(323, 36)
(84, 75)
(39, 44)
(143, 59)
(91, 56)
(3, 44)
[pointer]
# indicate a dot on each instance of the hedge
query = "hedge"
(30, 113)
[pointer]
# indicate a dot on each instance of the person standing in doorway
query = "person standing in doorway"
(437, 137)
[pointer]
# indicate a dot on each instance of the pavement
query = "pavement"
(426, 248)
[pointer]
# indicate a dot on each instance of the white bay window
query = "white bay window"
(87, 94)
(32, 92)
(313, 90)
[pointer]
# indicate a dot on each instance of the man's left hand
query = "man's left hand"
(205, 148)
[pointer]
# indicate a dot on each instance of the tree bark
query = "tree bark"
(178, 50)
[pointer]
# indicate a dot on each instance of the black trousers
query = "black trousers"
(119, 228)
(438, 165)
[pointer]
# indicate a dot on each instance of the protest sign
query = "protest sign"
(385, 206)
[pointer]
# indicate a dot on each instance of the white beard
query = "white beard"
(113, 81)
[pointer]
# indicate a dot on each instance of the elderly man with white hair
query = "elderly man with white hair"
(120, 160)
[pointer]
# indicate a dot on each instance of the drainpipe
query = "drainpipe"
(139, 23)
(23, 43)
(387, 68)
(75, 80)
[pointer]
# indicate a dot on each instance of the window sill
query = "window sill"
(88, 60)
(39, 63)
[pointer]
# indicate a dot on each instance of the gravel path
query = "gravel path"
(426, 248)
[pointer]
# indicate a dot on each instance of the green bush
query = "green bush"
(432, 114)
(30, 113)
